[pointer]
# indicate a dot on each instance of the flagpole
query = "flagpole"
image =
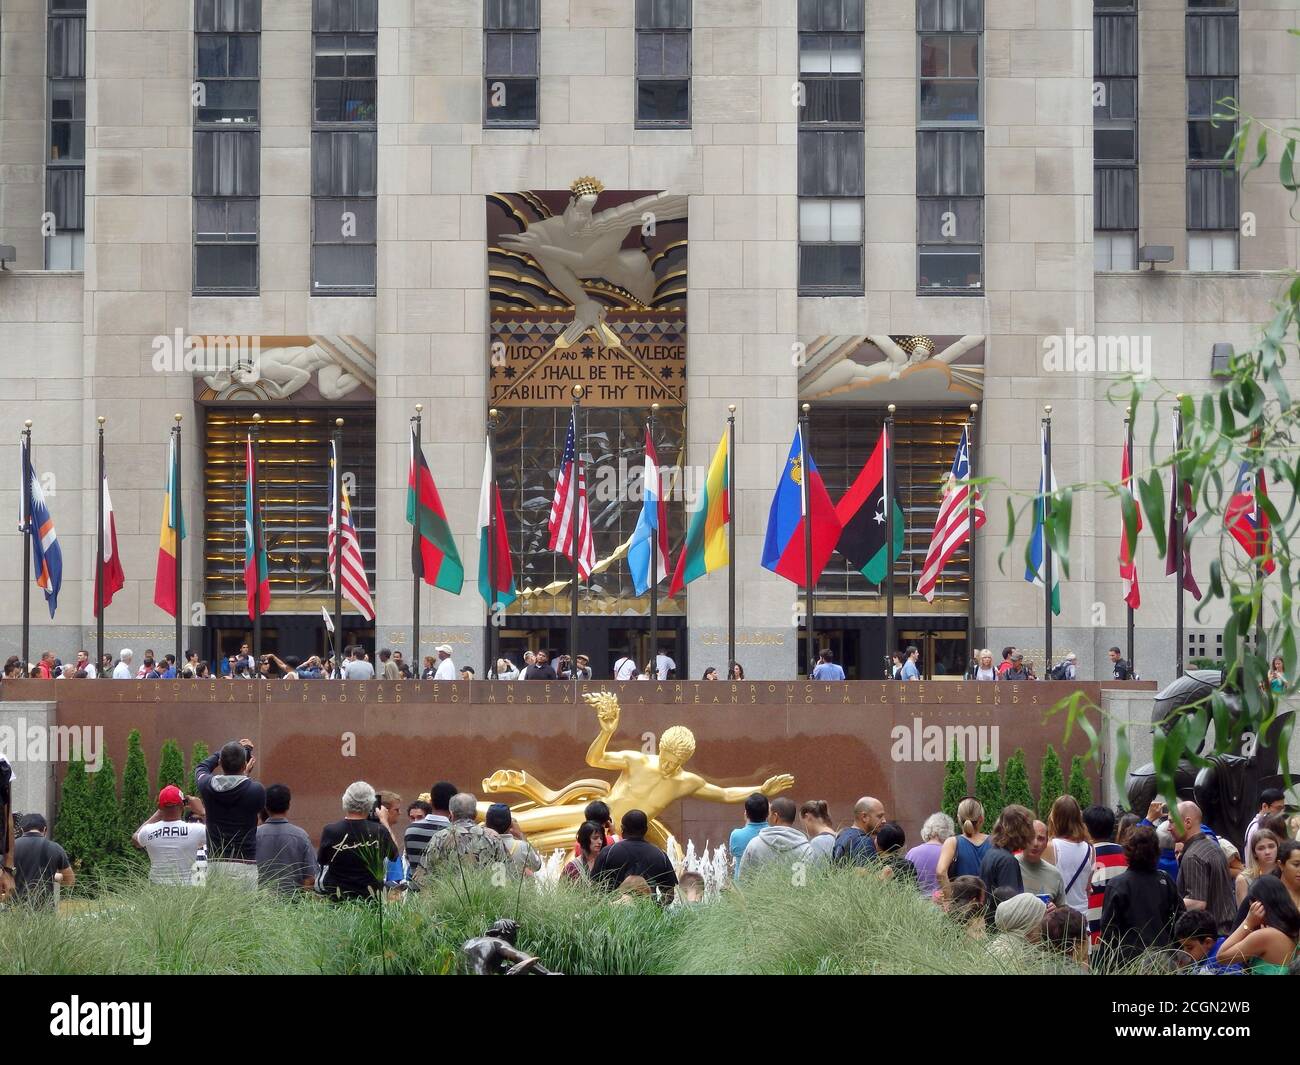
(99, 559)
(177, 510)
(27, 540)
(338, 545)
(888, 504)
(970, 520)
(1177, 533)
(731, 537)
(417, 423)
(1128, 446)
(256, 433)
(1047, 546)
(490, 659)
(577, 544)
(810, 626)
(654, 552)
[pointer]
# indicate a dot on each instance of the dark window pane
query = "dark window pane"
(663, 102)
(663, 14)
(649, 53)
(67, 48)
(225, 267)
(345, 101)
(1120, 99)
(1114, 145)
(333, 219)
(950, 163)
(950, 270)
(832, 100)
(229, 101)
(510, 101)
(244, 57)
(67, 100)
(1114, 197)
(1211, 45)
(511, 14)
(965, 56)
(65, 196)
(211, 58)
(344, 164)
(361, 56)
(343, 267)
(1114, 45)
(344, 15)
(1207, 142)
(1211, 198)
(227, 15)
(830, 267)
(950, 101)
(950, 221)
(934, 57)
(225, 163)
(677, 54)
(831, 164)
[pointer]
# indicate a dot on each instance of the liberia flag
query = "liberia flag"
(352, 568)
(952, 528)
(562, 524)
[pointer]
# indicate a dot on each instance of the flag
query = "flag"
(561, 521)
(1246, 520)
(257, 577)
(352, 569)
(1189, 515)
(47, 556)
(783, 546)
(652, 525)
(504, 584)
(170, 535)
(862, 512)
(111, 564)
(706, 547)
(434, 558)
(1128, 569)
(329, 621)
(961, 505)
(1038, 541)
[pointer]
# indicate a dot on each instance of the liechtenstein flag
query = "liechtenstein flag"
(47, 556)
(1246, 519)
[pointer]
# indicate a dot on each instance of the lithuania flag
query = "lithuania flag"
(169, 538)
(434, 557)
(862, 512)
(706, 540)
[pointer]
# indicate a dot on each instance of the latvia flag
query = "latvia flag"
(113, 577)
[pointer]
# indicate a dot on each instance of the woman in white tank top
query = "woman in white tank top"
(1070, 851)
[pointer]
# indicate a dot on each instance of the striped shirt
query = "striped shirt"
(418, 835)
(1110, 862)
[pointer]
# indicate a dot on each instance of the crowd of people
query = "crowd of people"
(1087, 886)
(355, 664)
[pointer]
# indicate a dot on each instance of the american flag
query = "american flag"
(952, 527)
(560, 525)
(356, 589)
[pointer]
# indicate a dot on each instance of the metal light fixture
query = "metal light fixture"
(1155, 253)
(1220, 356)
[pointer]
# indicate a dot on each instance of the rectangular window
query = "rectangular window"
(663, 64)
(344, 148)
(226, 163)
(1114, 251)
(1114, 190)
(511, 29)
(831, 148)
(949, 82)
(1212, 251)
(65, 137)
(1115, 134)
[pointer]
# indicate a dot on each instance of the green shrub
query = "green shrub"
(199, 754)
(955, 785)
(1015, 782)
(137, 802)
(1080, 786)
(988, 789)
(104, 822)
(171, 765)
(1051, 783)
(72, 826)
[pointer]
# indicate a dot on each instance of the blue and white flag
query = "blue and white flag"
(47, 556)
(1038, 543)
(651, 526)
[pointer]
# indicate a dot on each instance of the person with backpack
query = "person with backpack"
(1066, 669)
(962, 855)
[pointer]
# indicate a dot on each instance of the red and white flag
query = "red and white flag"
(952, 527)
(1128, 569)
(562, 524)
(356, 588)
(113, 577)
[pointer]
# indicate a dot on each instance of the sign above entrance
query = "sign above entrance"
(916, 370)
(587, 287)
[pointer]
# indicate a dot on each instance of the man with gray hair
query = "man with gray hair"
(465, 843)
(355, 852)
(123, 670)
(854, 846)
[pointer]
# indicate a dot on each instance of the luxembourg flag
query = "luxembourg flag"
(651, 526)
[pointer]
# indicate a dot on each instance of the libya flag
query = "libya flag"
(862, 513)
(434, 558)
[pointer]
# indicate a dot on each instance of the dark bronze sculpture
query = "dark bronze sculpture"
(1227, 790)
(494, 954)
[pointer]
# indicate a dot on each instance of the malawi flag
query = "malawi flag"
(862, 513)
(434, 558)
(111, 567)
(706, 546)
(504, 585)
(257, 577)
(783, 547)
(169, 537)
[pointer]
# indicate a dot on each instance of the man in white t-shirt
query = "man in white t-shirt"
(172, 844)
(357, 668)
(446, 667)
(123, 670)
(626, 668)
(664, 665)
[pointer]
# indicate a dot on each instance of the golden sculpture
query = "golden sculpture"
(646, 782)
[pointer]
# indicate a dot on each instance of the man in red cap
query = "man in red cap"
(172, 843)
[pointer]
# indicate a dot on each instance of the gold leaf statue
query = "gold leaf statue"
(647, 782)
